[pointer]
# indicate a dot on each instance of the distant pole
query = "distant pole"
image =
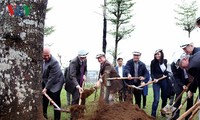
(104, 27)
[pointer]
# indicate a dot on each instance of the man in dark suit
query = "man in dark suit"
(108, 88)
(192, 64)
(76, 74)
(52, 82)
(180, 81)
(135, 68)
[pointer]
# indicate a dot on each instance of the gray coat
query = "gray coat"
(73, 74)
(52, 78)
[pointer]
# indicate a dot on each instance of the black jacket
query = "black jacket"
(179, 79)
(194, 70)
(129, 69)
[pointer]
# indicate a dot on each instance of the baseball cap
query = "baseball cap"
(137, 53)
(99, 54)
(185, 43)
(82, 53)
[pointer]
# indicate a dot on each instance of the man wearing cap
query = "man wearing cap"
(188, 47)
(180, 83)
(76, 75)
(108, 87)
(52, 82)
(135, 68)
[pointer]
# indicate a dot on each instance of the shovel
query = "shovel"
(195, 111)
(150, 82)
(179, 108)
(195, 106)
(168, 109)
(123, 78)
(57, 107)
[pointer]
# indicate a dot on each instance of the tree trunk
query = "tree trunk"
(104, 28)
(21, 46)
(189, 32)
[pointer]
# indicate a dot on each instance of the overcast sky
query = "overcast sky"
(79, 24)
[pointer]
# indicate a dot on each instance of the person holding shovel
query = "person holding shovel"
(180, 84)
(135, 68)
(52, 82)
(108, 87)
(192, 64)
(158, 68)
(76, 75)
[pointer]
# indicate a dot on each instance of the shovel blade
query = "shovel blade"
(168, 109)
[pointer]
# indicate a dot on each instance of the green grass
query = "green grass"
(90, 103)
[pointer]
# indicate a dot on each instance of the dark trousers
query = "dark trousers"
(68, 98)
(75, 97)
(56, 98)
(161, 85)
(178, 103)
(137, 95)
(144, 98)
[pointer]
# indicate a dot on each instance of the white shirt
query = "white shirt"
(120, 71)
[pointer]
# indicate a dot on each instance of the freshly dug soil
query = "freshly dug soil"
(77, 111)
(86, 93)
(119, 111)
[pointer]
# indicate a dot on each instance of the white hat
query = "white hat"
(185, 43)
(99, 54)
(158, 50)
(137, 53)
(82, 53)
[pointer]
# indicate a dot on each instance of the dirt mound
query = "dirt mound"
(120, 111)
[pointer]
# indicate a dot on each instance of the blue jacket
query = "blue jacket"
(129, 69)
(145, 88)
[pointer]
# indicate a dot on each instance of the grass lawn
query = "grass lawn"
(90, 105)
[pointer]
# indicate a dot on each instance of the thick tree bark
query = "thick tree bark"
(21, 45)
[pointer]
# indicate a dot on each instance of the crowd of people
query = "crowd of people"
(184, 76)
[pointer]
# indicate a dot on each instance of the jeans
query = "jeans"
(156, 90)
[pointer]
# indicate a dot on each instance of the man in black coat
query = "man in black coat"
(135, 68)
(192, 64)
(52, 82)
(76, 74)
(180, 81)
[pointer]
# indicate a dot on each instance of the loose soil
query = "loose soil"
(116, 111)
(77, 111)
(119, 111)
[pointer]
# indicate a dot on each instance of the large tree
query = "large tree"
(120, 14)
(186, 15)
(21, 46)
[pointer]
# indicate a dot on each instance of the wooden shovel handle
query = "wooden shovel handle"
(80, 100)
(122, 78)
(194, 113)
(52, 101)
(180, 95)
(150, 82)
(196, 105)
